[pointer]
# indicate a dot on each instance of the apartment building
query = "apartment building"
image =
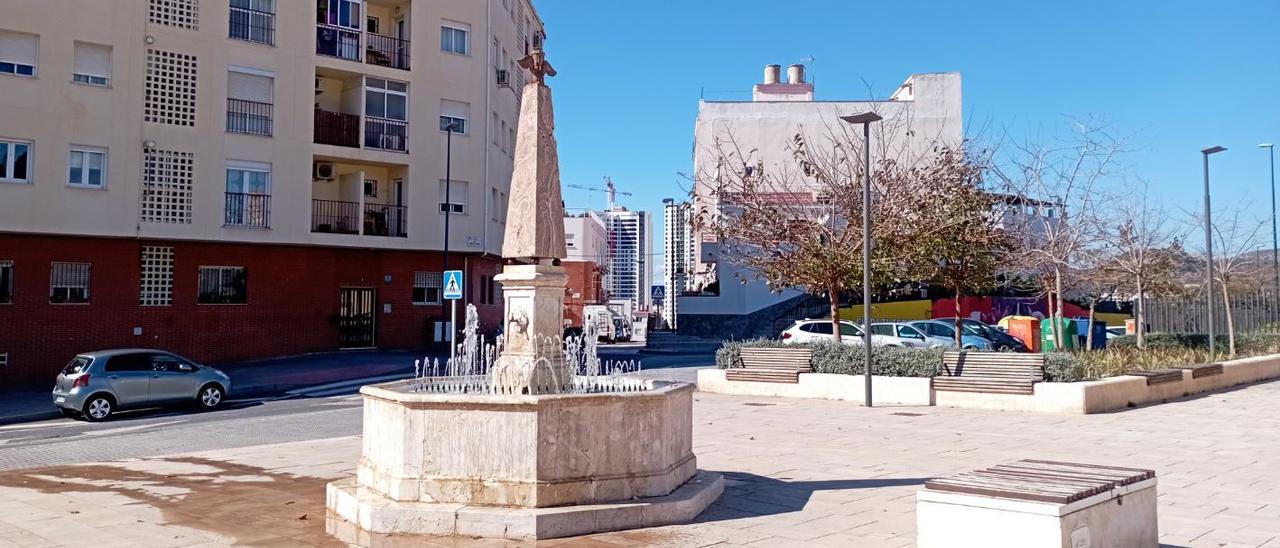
(630, 242)
(235, 179)
(678, 259)
(923, 112)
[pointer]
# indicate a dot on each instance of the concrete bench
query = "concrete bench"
(760, 364)
(1159, 376)
(1040, 504)
(993, 372)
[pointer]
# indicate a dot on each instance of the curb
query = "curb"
(29, 417)
(340, 386)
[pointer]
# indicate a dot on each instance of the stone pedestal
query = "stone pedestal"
(532, 361)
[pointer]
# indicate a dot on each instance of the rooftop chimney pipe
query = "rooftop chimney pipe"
(771, 73)
(795, 74)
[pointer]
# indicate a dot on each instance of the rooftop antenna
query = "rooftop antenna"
(812, 62)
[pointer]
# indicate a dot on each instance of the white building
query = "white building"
(925, 110)
(678, 258)
(630, 242)
(586, 238)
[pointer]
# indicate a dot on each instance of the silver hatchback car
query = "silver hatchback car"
(96, 384)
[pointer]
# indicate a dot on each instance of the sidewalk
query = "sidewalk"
(251, 379)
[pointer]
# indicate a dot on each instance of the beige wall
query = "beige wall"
(54, 113)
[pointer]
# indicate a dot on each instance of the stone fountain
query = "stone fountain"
(537, 445)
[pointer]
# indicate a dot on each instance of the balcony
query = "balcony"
(337, 128)
(252, 25)
(249, 117)
(386, 134)
(336, 41)
(248, 210)
(386, 51)
(369, 219)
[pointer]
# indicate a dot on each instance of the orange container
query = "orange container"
(1027, 330)
(1130, 327)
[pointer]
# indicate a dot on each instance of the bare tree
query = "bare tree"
(1059, 186)
(1234, 239)
(1142, 241)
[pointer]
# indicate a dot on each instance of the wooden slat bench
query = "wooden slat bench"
(1158, 376)
(1039, 503)
(992, 372)
(771, 365)
(1202, 370)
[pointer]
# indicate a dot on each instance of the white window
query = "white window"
(371, 188)
(253, 20)
(456, 200)
(18, 53)
(69, 282)
(455, 38)
(426, 287)
(493, 204)
(92, 64)
(249, 100)
(248, 177)
(248, 195)
(387, 99)
(87, 167)
(15, 161)
(454, 112)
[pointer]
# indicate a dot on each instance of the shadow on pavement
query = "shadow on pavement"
(750, 495)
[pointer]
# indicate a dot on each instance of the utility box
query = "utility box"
(1026, 329)
(1066, 327)
(1099, 333)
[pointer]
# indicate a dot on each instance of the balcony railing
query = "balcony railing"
(384, 220)
(336, 128)
(386, 134)
(386, 51)
(249, 117)
(250, 210)
(338, 217)
(334, 217)
(253, 25)
(340, 42)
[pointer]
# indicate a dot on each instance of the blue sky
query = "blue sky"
(1176, 76)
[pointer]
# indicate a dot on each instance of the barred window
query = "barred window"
(426, 287)
(223, 285)
(4, 359)
(156, 278)
(6, 282)
(69, 282)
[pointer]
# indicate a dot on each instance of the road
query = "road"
(240, 423)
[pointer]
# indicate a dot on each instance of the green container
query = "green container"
(1067, 328)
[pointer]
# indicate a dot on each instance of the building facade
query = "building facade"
(925, 111)
(192, 176)
(586, 238)
(678, 260)
(630, 241)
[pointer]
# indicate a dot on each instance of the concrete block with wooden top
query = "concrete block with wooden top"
(1040, 504)
(994, 372)
(771, 365)
(1202, 370)
(1159, 376)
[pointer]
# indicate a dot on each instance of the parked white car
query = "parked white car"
(805, 331)
(908, 336)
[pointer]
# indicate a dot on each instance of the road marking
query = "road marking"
(123, 429)
(46, 424)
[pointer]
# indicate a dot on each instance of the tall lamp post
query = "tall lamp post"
(1208, 245)
(448, 209)
(1275, 240)
(866, 118)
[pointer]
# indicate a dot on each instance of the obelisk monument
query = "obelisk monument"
(533, 282)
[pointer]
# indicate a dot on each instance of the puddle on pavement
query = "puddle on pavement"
(255, 506)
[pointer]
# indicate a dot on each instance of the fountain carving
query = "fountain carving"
(529, 436)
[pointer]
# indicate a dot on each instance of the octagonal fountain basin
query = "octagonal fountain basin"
(525, 466)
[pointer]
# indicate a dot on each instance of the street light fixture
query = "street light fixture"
(1208, 246)
(1275, 239)
(866, 118)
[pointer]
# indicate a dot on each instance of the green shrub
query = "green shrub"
(1063, 367)
(847, 359)
(1246, 343)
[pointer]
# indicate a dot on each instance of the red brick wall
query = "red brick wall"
(293, 294)
(584, 280)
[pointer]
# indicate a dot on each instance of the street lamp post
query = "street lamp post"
(1208, 246)
(1275, 239)
(866, 118)
(448, 209)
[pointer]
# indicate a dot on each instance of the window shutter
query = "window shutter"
(453, 109)
(457, 194)
(249, 87)
(16, 47)
(93, 59)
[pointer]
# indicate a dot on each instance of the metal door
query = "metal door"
(129, 376)
(356, 317)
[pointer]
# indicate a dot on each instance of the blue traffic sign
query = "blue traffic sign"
(453, 285)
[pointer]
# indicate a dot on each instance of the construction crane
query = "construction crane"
(609, 188)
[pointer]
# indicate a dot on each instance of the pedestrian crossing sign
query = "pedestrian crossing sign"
(453, 285)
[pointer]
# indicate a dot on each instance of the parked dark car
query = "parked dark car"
(1000, 341)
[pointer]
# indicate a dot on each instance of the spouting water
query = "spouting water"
(468, 372)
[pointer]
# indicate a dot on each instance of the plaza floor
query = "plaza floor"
(800, 473)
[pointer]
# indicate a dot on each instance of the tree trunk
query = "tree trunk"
(1053, 331)
(959, 322)
(1140, 316)
(1088, 339)
(1231, 326)
(1059, 334)
(833, 293)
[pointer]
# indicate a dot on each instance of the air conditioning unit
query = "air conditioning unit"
(504, 79)
(537, 41)
(324, 171)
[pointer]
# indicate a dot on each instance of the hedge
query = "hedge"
(1246, 343)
